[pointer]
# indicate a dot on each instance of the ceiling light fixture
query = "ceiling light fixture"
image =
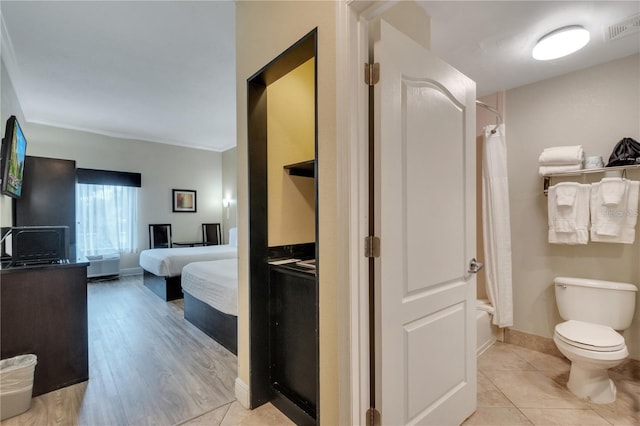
(561, 42)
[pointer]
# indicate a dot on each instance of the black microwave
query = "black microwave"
(32, 245)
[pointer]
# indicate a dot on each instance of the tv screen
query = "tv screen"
(14, 148)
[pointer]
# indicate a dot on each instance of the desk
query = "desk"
(192, 244)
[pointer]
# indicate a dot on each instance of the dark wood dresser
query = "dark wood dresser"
(43, 311)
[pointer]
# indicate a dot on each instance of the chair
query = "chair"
(211, 234)
(160, 235)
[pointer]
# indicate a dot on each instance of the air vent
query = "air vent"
(624, 28)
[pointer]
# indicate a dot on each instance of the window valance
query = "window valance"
(108, 177)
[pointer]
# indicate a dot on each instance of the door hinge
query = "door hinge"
(371, 73)
(372, 246)
(373, 417)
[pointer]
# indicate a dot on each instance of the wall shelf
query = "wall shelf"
(581, 172)
(304, 168)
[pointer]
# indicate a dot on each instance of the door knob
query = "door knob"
(475, 266)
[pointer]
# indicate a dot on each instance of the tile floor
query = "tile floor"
(234, 414)
(518, 386)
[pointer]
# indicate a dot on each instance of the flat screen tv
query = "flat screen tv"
(14, 149)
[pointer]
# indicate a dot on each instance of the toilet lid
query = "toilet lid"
(594, 337)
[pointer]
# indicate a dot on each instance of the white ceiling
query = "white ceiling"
(491, 41)
(165, 71)
(158, 71)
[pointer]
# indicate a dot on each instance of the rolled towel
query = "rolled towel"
(549, 170)
(561, 156)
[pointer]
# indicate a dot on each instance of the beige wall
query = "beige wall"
(229, 191)
(291, 139)
(263, 31)
(596, 108)
(9, 105)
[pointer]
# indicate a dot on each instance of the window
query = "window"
(107, 219)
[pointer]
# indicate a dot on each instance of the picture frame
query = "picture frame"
(184, 201)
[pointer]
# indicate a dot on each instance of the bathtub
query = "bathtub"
(486, 332)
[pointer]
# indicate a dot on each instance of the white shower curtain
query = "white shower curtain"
(496, 225)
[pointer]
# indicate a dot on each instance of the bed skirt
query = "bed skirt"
(167, 288)
(223, 328)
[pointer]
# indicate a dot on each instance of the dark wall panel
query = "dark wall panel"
(48, 196)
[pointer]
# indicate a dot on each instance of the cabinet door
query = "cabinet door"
(294, 337)
(48, 196)
(58, 333)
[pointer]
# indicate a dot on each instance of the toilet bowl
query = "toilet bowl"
(592, 349)
(593, 311)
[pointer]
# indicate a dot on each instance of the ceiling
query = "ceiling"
(165, 71)
(156, 71)
(491, 41)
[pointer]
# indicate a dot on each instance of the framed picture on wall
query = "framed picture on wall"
(184, 201)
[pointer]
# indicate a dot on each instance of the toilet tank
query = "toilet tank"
(600, 302)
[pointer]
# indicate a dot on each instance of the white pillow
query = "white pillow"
(233, 236)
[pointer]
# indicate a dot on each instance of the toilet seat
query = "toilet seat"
(588, 336)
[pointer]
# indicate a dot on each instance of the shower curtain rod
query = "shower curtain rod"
(493, 110)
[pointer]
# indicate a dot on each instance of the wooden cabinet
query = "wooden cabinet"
(294, 340)
(43, 311)
(48, 196)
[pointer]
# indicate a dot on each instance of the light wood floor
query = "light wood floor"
(147, 365)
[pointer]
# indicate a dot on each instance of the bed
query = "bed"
(163, 267)
(211, 299)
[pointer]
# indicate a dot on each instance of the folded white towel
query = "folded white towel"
(548, 170)
(566, 193)
(569, 224)
(617, 223)
(612, 190)
(561, 156)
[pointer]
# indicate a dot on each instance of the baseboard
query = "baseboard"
(629, 368)
(128, 272)
(242, 393)
(531, 341)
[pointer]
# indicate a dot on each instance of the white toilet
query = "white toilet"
(593, 310)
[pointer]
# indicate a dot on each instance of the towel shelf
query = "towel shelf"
(547, 178)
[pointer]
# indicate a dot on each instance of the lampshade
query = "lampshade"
(561, 42)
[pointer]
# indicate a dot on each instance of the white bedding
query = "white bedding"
(214, 282)
(168, 262)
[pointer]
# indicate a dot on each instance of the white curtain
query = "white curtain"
(497, 225)
(107, 217)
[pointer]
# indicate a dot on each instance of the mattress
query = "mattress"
(168, 262)
(214, 283)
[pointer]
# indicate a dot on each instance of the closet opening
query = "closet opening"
(283, 232)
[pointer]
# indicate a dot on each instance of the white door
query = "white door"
(425, 218)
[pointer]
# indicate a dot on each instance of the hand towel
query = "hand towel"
(612, 190)
(615, 224)
(547, 170)
(566, 194)
(561, 156)
(569, 224)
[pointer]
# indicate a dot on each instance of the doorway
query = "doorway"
(268, 241)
